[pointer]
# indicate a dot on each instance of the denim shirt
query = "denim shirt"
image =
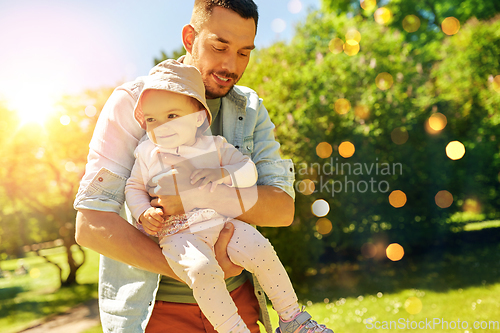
(127, 294)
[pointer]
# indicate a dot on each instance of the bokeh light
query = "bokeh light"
(450, 26)
(368, 250)
(306, 187)
(384, 81)
(443, 199)
(295, 6)
(395, 252)
(278, 25)
(362, 111)
(399, 135)
(70, 166)
(472, 206)
(437, 121)
(90, 111)
(397, 199)
(383, 15)
(368, 4)
(411, 23)
(346, 149)
(342, 106)
(496, 83)
(65, 120)
(320, 208)
(413, 305)
(324, 150)
(455, 150)
(351, 47)
(35, 273)
(336, 46)
(324, 226)
(353, 34)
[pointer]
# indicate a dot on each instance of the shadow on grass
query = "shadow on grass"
(10, 292)
(34, 305)
(463, 260)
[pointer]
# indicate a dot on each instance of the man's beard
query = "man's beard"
(222, 91)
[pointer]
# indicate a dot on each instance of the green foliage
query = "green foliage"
(301, 82)
(176, 54)
(43, 165)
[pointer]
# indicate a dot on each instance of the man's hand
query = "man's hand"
(220, 248)
(215, 176)
(152, 220)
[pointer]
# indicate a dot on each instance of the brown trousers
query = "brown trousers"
(170, 317)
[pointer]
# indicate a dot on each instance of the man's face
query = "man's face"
(221, 50)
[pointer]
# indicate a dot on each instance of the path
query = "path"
(76, 320)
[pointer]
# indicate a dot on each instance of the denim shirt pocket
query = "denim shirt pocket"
(247, 148)
(106, 192)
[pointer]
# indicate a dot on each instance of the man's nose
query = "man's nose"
(229, 63)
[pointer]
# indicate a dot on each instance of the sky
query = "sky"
(52, 47)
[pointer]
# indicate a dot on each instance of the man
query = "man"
(218, 41)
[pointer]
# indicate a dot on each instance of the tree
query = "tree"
(43, 167)
(379, 99)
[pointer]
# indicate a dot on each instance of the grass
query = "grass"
(28, 298)
(456, 280)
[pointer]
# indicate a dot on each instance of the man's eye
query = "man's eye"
(218, 49)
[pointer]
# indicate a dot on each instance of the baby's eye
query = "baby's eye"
(150, 120)
(172, 115)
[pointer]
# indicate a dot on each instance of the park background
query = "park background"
(389, 110)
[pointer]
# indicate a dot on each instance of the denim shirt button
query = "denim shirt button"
(240, 118)
(237, 147)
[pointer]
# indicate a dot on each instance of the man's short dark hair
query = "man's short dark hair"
(247, 9)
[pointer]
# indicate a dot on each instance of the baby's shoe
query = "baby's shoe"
(302, 323)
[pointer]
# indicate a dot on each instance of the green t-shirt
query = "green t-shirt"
(171, 290)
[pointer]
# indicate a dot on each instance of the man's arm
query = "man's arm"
(110, 235)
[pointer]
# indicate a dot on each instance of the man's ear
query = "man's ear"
(188, 36)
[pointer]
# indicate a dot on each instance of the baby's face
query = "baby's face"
(171, 119)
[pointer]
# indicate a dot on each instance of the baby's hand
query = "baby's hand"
(152, 220)
(215, 176)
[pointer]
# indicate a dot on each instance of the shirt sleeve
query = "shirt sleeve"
(136, 194)
(111, 155)
(240, 167)
(272, 169)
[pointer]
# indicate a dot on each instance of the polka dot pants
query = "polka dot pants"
(192, 258)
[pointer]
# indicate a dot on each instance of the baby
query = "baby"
(173, 108)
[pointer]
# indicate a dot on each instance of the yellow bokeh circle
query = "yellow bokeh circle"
(346, 149)
(455, 150)
(443, 199)
(384, 81)
(306, 187)
(368, 4)
(450, 26)
(411, 23)
(437, 121)
(413, 305)
(353, 34)
(397, 199)
(351, 47)
(324, 226)
(336, 46)
(496, 83)
(395, 252)
(342, 106)
(324, 150)
(383, 15)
